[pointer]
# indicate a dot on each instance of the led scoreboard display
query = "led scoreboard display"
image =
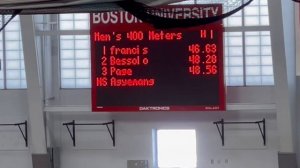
(138, 68)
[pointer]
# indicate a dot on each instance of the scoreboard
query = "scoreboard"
(136, 67)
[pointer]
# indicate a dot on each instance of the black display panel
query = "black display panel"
(138, 68)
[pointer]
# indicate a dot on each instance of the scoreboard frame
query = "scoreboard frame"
(137, 25)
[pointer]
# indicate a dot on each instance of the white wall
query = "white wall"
(13, 152)
(134, 133)
(243, 144)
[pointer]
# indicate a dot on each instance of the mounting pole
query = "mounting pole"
(73, 133)
(221, 132)
(23, 132)
(223, 137)
(261, 129)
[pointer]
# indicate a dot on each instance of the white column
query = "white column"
(37, 136)
(282, 51)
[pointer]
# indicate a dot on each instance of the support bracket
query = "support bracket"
(72, 131)
(24, 131)
(261, 125)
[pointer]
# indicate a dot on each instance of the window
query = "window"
(248, 54)
(176, 148)
(74, 21)
(248, 58)
(75, 51)
(247, 45)
(258, 54)
(75, 61)
(234, 64)
(12, 73)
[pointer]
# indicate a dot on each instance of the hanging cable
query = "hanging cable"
(141, 11)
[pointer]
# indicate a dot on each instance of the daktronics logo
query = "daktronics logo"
(154, 108)
(118, 17)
